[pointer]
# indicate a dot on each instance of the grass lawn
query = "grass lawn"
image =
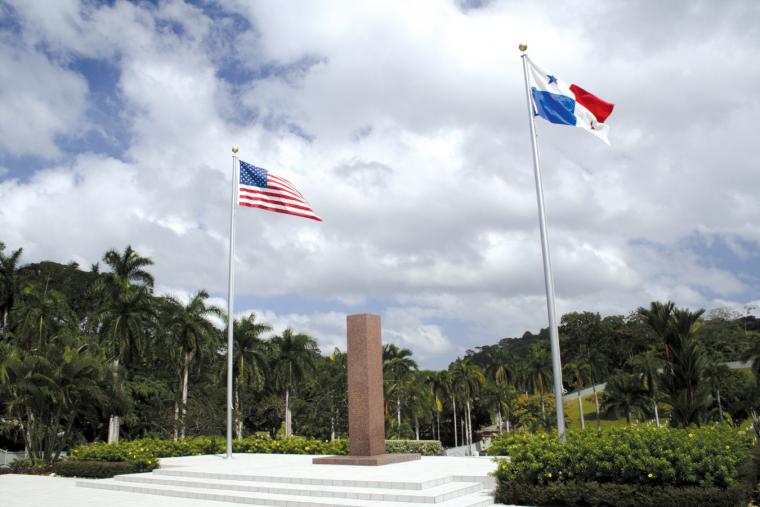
(589, 414)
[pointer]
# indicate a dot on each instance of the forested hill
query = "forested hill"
(615, 340)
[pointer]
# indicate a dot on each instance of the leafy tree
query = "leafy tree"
(127, 311)
(438, 382)
(713, 374)
(625, 393)
(538, 372)
(466, 379)
(397, 366)
(192, 333)
(658, 318)
(8, 284)
(48, 392)
(294, 357)
(249, 358)
(128, 268)
(578, 373)
(649, 365)
(685, 370)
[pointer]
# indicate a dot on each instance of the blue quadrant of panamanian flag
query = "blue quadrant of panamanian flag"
(557, 102)
(261, 189)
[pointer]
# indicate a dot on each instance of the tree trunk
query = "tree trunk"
(185, 377)
(454, 404)
(628, 418)
(596, 404)
(469, 429)
(438, 423)
(332, 428)
(288, 429)
(543, 405)
(398, 413)
(238, 417)
(720, 407)
(656, 413)
(580, 411)
(113, 421)
(176, 417)
(416, 427)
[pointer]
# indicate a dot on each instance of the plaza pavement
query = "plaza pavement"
(43, 491)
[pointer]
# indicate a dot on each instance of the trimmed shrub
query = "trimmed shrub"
(97, 469)
(25, 466)
(424, 447)
(594, 494)
(146, 452)
(290, 445)
(639, 466)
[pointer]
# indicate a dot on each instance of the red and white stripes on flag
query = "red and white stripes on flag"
(261, 189)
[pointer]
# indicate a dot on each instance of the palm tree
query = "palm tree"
(249, 358)
(685, 370)
(397, 365)
(8, 284)
(625, 392)
(466, 379)
(503, 372)
(598, 369)
(714, 372)
(648, 365)
(192, 333)
(295, 354)
(419, 399)
(578, 373)
(128, 268)
(40, 313)
(658, 318)
(538, 372)
(333, 381)
(440, 386)
(128, 308)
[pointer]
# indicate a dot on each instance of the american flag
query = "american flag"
(261, 189)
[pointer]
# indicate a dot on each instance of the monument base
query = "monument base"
(379, 459)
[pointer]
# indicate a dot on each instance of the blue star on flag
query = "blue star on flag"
(552, 79)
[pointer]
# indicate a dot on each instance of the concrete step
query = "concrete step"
(436, 494)
(479, 499)
(321, 481)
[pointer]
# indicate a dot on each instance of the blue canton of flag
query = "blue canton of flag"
(261, 189)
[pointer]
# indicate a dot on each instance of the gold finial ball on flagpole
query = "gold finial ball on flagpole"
(235, 149)
(523, 47)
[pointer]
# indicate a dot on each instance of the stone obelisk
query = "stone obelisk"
(366, 421)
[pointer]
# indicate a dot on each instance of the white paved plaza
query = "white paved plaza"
(311, 483)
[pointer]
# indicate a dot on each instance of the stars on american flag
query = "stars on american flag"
(261, 189)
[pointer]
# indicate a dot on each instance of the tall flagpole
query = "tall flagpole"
(548, 277)
(231, 297)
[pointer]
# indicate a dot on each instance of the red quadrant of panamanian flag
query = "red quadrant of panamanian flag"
(261, 189)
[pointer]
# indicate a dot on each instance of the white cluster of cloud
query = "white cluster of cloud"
(404, 124)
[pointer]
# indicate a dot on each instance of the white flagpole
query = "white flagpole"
(231, 296)
(548, 277)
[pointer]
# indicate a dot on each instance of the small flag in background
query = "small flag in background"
(261, 189)
(557, 102)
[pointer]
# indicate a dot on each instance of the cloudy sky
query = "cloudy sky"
(405, 125)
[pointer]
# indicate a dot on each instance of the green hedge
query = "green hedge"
(638, 466)
(424, 447)
(96, 469)
(594, 494)
(147, 451)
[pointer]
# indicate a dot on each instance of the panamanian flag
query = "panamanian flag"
(557, 102)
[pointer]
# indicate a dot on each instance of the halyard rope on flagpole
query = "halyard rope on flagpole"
(548, 277)
(231, 296)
